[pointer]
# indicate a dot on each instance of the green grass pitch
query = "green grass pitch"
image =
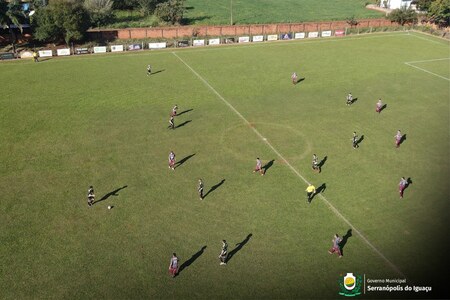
(67, 123)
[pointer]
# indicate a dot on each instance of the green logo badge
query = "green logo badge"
(350, 285)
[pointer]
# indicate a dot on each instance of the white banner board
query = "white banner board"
(116, 48)
(198, 43)
(100, 49)
(45, 53)
(258, 38)
(214, 42)
(272, 37)
(326, 33)
(161, 45)
(299, 35)
(244, 39)
(63, 52)
(313, 34)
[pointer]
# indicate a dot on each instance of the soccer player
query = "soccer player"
(315, 163)
(224, 253)
(336, 248)
(379, 106)
(402, 186)
(200, 188)
(171, 123)
(258, 167)
(310, 191)
(173, 266)
(398, 138)
(349, 99)
(172, 160)
(174, 110)
(35, 56)
(294, 78)
(355, 140)
(149, 70)
(91, 196)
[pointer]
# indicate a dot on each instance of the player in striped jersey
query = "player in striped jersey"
(172, 160)
(200, 188)
(355, 140)
(315, 163)
(349, 99)
(91, 196)
(258, 167)
(171, 123)
(149, 70)
(174, 110)
(224, 253)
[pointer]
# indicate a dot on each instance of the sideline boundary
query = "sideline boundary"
(332, 208)
(410, 63)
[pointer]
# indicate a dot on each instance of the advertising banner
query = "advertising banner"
(339, 32)
(116, 48)
(313, 34)
(100, 49)
(63, 52)
(299, 35)
(326, 33)
(258, 38)
(81, 51)
(45, 53)
(244, 39)
(198, 43)
(161, 45)
(134, 47)
(214, 41)
(285, 36)
(272, 37)
(6, 55)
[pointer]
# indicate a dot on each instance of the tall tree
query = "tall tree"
(11, 14)
(403, 16)
(439, 12)
(100, 11)
(61, 20)
(171, 11)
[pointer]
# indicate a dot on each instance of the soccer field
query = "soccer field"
(68, 123)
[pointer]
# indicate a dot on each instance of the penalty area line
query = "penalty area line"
(331, 206)
(426, 71)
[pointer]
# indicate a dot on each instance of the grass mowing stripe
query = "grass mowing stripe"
(334, 209)
(445, 78)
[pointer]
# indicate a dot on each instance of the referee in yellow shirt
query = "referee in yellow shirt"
(310, 192)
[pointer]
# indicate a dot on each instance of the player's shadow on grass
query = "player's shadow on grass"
(239, 247)
(191, 260)
(184, 123)
(300, 80)
(182, 161)
(402, 139)
(354, 100)
(322, 162)
(185, 111)
(156, 72)
(213, 188)
(113, 193)
(319, 190)
(267, 166)
(383, 107)
(344, 241)
(359, 141)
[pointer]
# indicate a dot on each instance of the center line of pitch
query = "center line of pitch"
(333, 209)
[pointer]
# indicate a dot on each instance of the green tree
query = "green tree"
(423, 5)
(61, 20)
(125, 4)
(11, 14)
(100, 11)
(147, 7)
(439, 12)
(403, 16)
(170, 11)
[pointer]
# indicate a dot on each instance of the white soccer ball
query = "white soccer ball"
(109, 206)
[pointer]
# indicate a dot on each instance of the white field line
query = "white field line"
(409, 64)
(334, 209)
(428, 60)
(425, 39)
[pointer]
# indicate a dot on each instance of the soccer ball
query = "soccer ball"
(109, 206)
